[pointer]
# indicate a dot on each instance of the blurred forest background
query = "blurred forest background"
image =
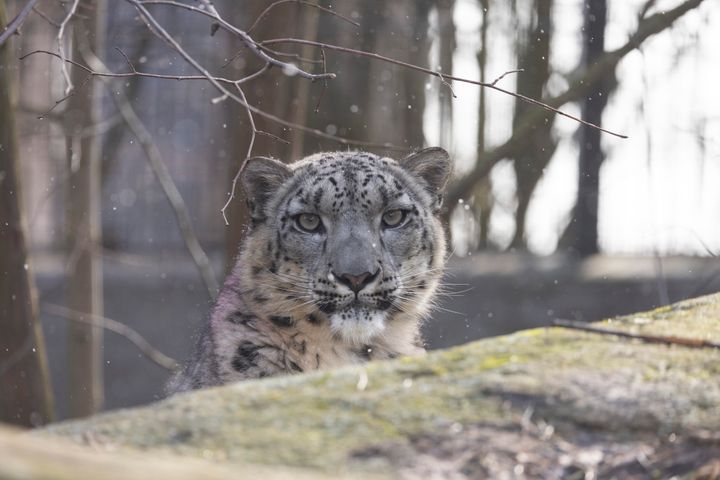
(112, 241)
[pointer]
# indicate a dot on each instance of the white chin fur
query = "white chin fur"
(358, 329)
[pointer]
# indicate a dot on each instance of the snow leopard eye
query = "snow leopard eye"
(393, 218)
(308, 222)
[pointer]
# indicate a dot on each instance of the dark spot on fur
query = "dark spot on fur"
(365, 352)
(317, 197)
(384, 304)
(260, 299)
(327, 307)
(245, 356)
(294, 366)
(312, 318)
(283, 322)
(239, 318)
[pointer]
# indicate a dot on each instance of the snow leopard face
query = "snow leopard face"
(346, 240)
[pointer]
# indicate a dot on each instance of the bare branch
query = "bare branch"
(442, 76)
(46, 17)
(665, 340)
(447, 84)
(61, 46)
(15, 357)
(299, 2)
(130, 334)
(251, 145)
(505, 74)
(17, 22)
(135, 73)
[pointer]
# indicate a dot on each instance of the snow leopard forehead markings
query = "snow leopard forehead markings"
(356, 182)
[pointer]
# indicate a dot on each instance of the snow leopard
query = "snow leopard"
(343, 256)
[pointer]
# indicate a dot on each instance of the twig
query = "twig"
(255, 75)
(447, 84)
(46, 17)
(299, 2)
(17, 22)
(61, 46)
(519, 70)
(15, 357)
(134, 73)
(253, 135)
(665, 340)
(130, 334)
(325, 84)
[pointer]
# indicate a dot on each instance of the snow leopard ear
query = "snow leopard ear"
(433, 165)
(261, 177)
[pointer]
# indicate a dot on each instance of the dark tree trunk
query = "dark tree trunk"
(538, 148)
(446, 25)
(483, 190)
(585, 215)
(25, 393)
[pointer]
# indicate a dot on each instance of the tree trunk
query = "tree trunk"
(397, 95)
(585, 214)
(446, 25)
(25, 393)
(85, 282)
(483, 190)
(539, 147)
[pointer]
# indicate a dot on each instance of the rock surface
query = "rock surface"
(542, 403)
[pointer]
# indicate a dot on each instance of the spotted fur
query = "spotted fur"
(289, 305)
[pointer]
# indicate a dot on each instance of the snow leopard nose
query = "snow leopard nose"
(357, 282)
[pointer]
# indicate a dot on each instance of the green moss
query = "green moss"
(323, 420)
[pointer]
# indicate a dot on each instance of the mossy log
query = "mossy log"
(545, 403)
